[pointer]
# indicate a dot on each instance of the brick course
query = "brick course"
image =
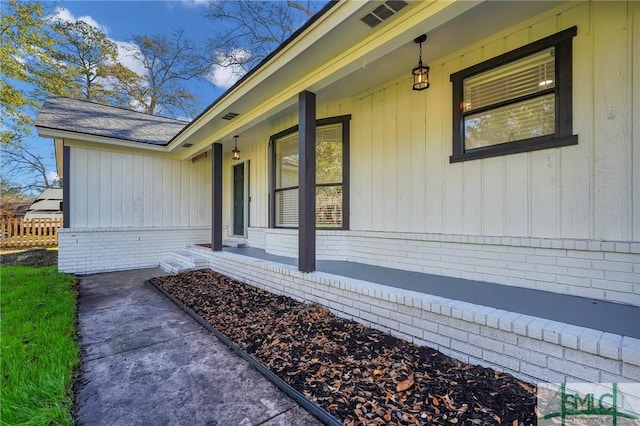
(603, 270)
(91, 250)
(509, 342)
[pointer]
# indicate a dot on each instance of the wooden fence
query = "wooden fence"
(18, 233)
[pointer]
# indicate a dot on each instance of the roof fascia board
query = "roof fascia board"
(426, 16)
(103, 140)
(58, 145)
(80, 143)
(324, 24)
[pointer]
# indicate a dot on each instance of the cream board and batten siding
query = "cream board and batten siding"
(402, 181)
(258, 155)
(564, 219)
(129, 211)
(119, 190)
(401, 178)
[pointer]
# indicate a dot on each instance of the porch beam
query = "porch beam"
(307, 182)
(216, 197)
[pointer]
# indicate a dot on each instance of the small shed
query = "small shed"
(48, 205)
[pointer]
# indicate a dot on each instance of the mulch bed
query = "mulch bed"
(36, 257)
(358, 374)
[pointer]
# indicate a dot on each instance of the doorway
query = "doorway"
(240, 198)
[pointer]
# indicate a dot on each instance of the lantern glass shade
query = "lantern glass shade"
(235, 154)
(420, 77)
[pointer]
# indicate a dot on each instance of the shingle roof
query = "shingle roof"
(73, 115)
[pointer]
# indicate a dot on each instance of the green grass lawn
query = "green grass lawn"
(37, 344)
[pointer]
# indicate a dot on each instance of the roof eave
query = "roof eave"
(423, 17)
(333, 11)
(48, 132)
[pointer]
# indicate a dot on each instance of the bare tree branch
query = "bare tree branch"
(246, 31)
(20, 164)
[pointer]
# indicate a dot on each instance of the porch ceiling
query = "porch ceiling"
(352, 58)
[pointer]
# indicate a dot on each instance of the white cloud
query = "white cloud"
(226, 72)
(224, 77)
(53, 177)
(64, 15)
(125, 49)
(126, 56)
(194, 3)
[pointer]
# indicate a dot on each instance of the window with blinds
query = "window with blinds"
(512, 102)
(286, 185)
(331, 167)
(519, 101)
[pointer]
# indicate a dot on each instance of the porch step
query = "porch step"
(184, 260)
(174, 266)
(235, 242)
(192, 258)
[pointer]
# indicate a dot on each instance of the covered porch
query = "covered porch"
(535, 335)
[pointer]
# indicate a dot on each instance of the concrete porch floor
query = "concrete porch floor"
(535, 335)
(606, 316)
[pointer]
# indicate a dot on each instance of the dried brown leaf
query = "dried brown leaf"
(405, 384)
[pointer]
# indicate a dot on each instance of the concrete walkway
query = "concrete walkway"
(146, 362)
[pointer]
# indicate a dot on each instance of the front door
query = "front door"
(238, 199)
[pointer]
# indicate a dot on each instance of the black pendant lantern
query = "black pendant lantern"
(420, 72)
(235, 153)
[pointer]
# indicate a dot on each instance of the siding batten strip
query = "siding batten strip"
(307, 182)
(216, 197)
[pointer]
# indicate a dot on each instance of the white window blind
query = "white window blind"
(522, 120)
(329, 172)
(523, 77)
(524, 108)
(287, 161)
(287, 208)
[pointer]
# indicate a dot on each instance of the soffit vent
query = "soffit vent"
(187, 145)
(230, 116)
(383, 12)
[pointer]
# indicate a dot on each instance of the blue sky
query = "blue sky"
(120, 20)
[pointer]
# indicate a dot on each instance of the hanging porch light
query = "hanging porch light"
(420, 72)
(235, 153)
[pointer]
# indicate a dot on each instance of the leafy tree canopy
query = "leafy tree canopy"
(27, 66)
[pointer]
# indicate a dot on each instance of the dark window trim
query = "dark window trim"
(345, 120)
(563, 136)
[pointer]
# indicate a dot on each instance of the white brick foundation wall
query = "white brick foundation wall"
(90, 250)
(603, 270)
(531, 348)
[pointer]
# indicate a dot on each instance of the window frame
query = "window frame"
(563, 136)
(345, 121)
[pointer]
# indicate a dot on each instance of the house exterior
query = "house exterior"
(519, 165)
(13, 210)
(48, 205)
